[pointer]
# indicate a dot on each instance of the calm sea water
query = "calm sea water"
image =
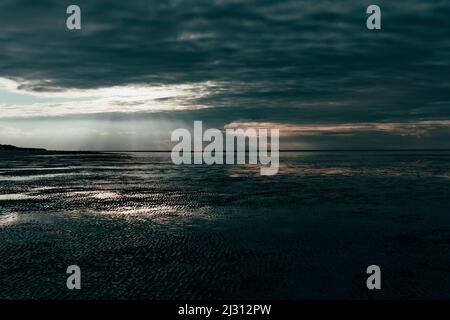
(141, 227)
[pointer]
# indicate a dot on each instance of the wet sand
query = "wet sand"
(142, 228)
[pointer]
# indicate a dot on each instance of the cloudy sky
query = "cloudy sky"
(139, 69)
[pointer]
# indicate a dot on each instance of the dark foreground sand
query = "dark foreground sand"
(141, 228)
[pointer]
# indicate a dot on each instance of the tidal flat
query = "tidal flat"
(141, 227)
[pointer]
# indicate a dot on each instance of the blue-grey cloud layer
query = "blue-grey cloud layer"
(298, 62)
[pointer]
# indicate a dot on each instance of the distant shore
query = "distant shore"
(10, 149)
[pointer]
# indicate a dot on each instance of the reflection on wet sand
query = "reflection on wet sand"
(142, 227)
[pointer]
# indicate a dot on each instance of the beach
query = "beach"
(141, 227)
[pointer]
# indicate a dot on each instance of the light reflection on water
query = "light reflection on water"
(37, 176)
(9, 219)
(149, 185)
(15, 196)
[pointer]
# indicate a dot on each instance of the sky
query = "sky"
(137, 70)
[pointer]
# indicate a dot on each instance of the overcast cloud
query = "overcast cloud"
(139, 69)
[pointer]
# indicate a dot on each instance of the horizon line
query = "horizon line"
(289, 150)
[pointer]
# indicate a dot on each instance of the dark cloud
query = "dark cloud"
(279, 61)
